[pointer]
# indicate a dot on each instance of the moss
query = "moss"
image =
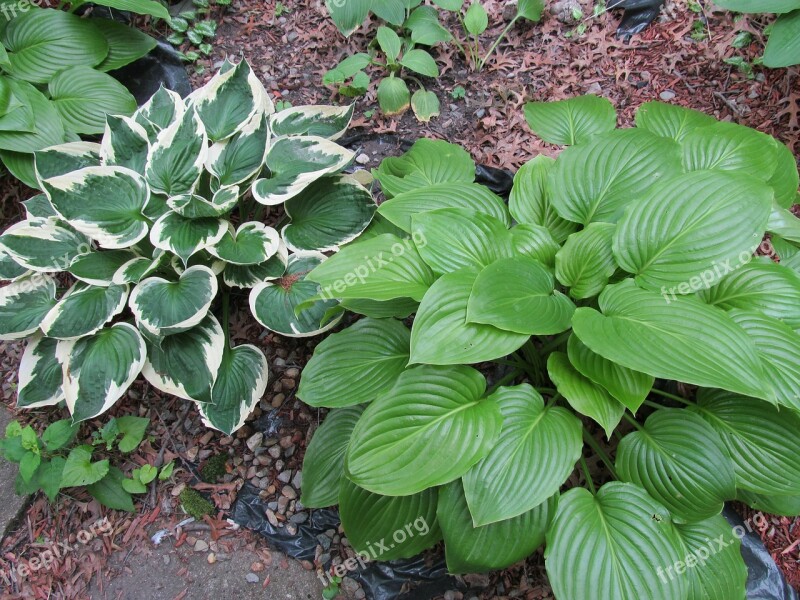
(214, 469)
(195, 504)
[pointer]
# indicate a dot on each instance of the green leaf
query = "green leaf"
(451, 5)
(449, 239)
(80, 470)
(346, 69)
(49, 130)
(329, 122)
(786, 179)
(571, 121)
(348, 16)
(133, 486)
(517, 294)
(420, 62)
(534, 456)
(98, 268)
(529, 200)
(166, 471)
(43, 245)
(530, 9)
(428, 430)
(597, 180)
(125, 43)
(700, 224)
(40, 43)
(58, 434)
(787, 506)
(626, 385)
(48, 476)
(394, 97)
(425, 105)
(583, 395)
(23, 305)
(141, 7)
(730, 147)
(84, 310)
(125, 144)
(164, 108)
(669, 120)
(399, 307)
(470, 549)
(766, 6)
(21, 166)
(323, 464)
(381, 268)
(40, 377)
(186, 237)
(251, 275)
(132, 430)
(622, 522)
(240, 384)
(147, 473)
(535, 241)
(176, 160)
(251, 244)
(110, 493)
(62, 159)
(99, 368)
(683, 340)
(390, 43)
(476, 19)
(329, 213)
(681, 461)
(356, 365)
(425, 28)
(783, 46)
(193, 206)
(441, 334)
(755, 434)
(585, 262)
(28, 465)
(241, 156)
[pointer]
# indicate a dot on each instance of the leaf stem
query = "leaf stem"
(553, 399)
(508, 378)
(672, 397)
(588, 476)
(587, 437)
(497, 41)
(652, 404)
(555, 342)
(633, 421)
(547, 390)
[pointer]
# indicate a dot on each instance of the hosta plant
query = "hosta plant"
(621, 267)
(783, 44)
(142, 246)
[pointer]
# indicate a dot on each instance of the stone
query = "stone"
(252, 578)
(254, 441)
(667, 95)
(289, 492)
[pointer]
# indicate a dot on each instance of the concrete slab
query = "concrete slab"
(10, 503)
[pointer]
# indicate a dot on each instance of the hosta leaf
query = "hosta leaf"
(394, 96)
(470, 549)
(786, 179)
(249, 276)
(571, 121)
(348, 16)
(683, 340)
(529, 200)
(425, 105)
(139, 267)
(176, 159)
(186, 237)
(681, 461)
(84, 310)
(585, 262)
(40, 43)
(125, 43)
(700, 223)
(251, 244)
(83, 96)
(425, 28)
(783, 223)
(327, 214)
(386, 527)
(104, 203)
(294, 163)
(125, 143)
(595, 181)
(193, 206)
(626, 385)
(49, 130)
(455, 238)
(240, 157)
(231, 99)
(186, 364)
(760, 285)
(323, 464)
(755, 434)
(10, 270)
(534, 456)
(274, 303)
(621, 538)
(535, 241)
(357, 365)
(517, 294)
(164, 108)
(99, 368)
(39, 207)
(767, 6)
(730, 147)
(381, 309)
(421, 62)
(787, 506)
(324, 121)
(99, 268)
(713, 559)
(670, 120)
(783, 46)
(470, 196)
(428, 430)
(583, 395)
(65, 158)
(166, 307)
(40, 376)
(381, 268)
(20, 165)
(428, 162)
(42, 245)
(441, 334)
(240, 384)
(23, 305)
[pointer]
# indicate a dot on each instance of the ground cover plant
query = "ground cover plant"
(618, 295)
(141, 247)
(783, 45)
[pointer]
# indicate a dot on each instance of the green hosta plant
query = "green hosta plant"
(133, 258)
(195, 27)
(783, 45)
(54, 81)
(622, 266)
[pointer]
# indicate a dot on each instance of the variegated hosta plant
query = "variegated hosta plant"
(624, 265)
(140, 247)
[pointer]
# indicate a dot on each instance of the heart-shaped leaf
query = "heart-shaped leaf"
(670, 120)
(98, 268)
(84, 310)
(252, 244)
(176, 159)
(40, 376)
(783, 47)
(24, 304)
(240, 157)
(185, 237)
(43, 245)
(80, 470)
(571, 121)
(730, 147)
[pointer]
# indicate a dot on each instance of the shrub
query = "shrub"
(620, 267)
(164, 217)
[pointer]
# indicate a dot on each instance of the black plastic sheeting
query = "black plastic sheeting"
(418, 579)
(637, 16)
(162, 66)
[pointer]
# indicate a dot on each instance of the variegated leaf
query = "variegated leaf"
(64, 158)
(162, 110)
(251, 244)
(125, 144)
(176, 159)
(248, 276)
(167, 307)
(183, 236)
(10, 270)
(325, 121)
(39, 207)
(23, 305)
(240, 384)
(138, 268)
(98, 268)
(84, 310)
(99, 368)
(40, 375)
(294, 163)
(192, 206)
(186, 364)
(104, 203)
(240, 157)
(42, 245)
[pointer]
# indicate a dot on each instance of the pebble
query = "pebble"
(361, 159)
(285, 477)
(298, 518)
(283, 502)
(291, 36)
(273, 520)
(594, 89)
(254, 441)
(294, 372)
(324, 541)
(176, 491)
(274, 451)
(324, 559)
(286, 441)
(297, 480)
(291, 528)
(211, 558)
(289, 492)
(667, 95)
(200, 546)
(252, 578)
